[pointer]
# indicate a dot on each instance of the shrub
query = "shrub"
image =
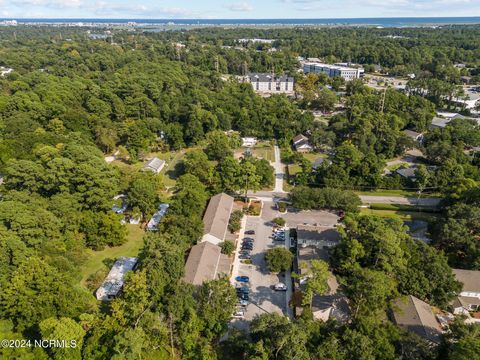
(234, 223)
(228, 247)
(279, 221)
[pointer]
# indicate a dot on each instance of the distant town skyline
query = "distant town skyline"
(228, 9)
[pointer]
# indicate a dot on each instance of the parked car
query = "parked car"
(245, 257)
(244, 279)
(239, 314)
(248, 239)
(243, 289)
(250, 232)
(243, 302)
(243, 296)
(247, 247)
(280, 287)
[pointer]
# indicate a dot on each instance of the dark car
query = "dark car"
(243, 297)
(250, 232)
(248, 239)
(245, 257)
(243, 290)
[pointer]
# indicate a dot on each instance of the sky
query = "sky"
(235, 9)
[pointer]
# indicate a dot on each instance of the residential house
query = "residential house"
(317, 235)
(418, 137)
(120, 204)
(249, 141)
(416, 316)
(469, 298)
(216, 218)
(271, 83)
(302, 144)
(113, 284)
(407, 173)
(333, 304)
(155, 165)
(206, 262)
(319, 162)
(155, 220)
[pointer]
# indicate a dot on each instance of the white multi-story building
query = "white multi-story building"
(271, 84)
(340, 70)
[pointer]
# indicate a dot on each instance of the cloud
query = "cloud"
(242, 6)
(52, 4)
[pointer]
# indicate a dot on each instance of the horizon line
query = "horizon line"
(263, 18)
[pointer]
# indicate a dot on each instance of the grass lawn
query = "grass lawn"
(293, 169)
(173, 169)
(264, 150)
(96, 258)
(312, 156)
(402, 215)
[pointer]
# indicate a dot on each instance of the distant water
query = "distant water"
(381, 22)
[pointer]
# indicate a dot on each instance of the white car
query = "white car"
(280, 287)
(239, 314)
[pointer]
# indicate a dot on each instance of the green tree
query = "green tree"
(63, 329)
(228, 247)
(143, 193)
(278, 259)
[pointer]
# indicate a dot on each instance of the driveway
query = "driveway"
(279, 173)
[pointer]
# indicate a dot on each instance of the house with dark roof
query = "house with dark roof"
(317, 235)
(271, 83)
(333, 304)
(155, 165)
(416, 316)
(206, 262)
(469, 298)
(302, 144)
(418, 137)
(217, 217)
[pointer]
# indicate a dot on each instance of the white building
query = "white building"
(113, 284)
(339, 70)
(271, 84)
(155, 165)
(5, 71)
(301, 143)
(155, 220)
(249, 141)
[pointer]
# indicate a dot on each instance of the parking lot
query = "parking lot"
(262, 297)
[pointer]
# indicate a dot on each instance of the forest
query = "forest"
(71, 100)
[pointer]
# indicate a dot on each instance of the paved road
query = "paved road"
(399, 200)
(279, 173)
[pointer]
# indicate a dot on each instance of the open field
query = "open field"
(96, 259)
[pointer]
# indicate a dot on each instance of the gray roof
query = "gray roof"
(319, 161)
(266, 77)
(154, 165)
(115, 278)
(217, 215)
(440, 122)
(299, 138)
(317, 233)
(205, 262)
(469, 278)
(412, 134)
(408, 173)
(416, 316)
